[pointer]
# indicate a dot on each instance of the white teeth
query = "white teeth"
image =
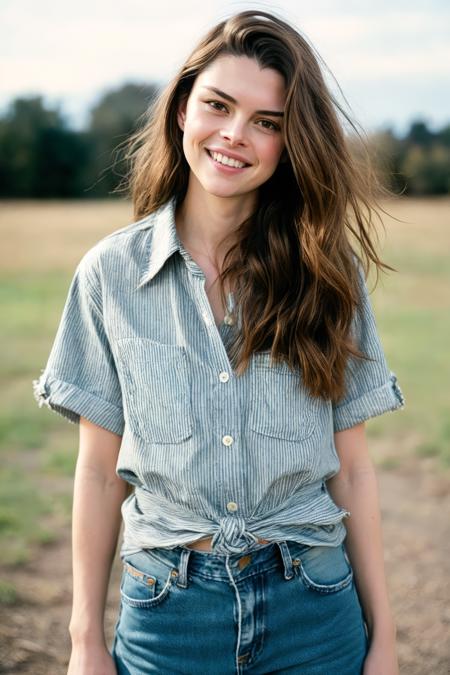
(228, 161)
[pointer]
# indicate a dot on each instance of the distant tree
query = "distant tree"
(427, 170)
(425, 162)
(418, 163)
(443, 136)
(39, 155)
(112, 120)
(419, 134)
(387, 152)
(60, 159)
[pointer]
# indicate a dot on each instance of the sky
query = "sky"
(391, 60)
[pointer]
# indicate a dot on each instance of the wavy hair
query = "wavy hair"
(294, 266)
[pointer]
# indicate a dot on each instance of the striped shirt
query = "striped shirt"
(138, 352)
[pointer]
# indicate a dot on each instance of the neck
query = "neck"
(207, 223)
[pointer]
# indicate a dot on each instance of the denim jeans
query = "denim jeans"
(283, 608)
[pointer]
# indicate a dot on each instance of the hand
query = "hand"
(381, 659)
(89, 660)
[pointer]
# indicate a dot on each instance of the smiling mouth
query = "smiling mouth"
(232, 165)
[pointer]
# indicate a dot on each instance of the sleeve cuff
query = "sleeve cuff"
(71, 402)
(388, 397)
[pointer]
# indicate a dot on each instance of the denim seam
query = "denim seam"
(207, 577)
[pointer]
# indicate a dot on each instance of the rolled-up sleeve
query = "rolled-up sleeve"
(80, 377)
(371, 387)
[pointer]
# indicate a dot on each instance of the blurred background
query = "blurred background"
(75, 80)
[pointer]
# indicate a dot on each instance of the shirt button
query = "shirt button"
(232, 506)
(227, 440)
(223, 376)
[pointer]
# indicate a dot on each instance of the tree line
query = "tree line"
(41, 156)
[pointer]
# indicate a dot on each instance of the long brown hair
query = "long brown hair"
(294, 265)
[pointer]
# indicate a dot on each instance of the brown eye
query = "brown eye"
(213, 104)
(272, 127)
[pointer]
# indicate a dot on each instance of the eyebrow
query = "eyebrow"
(272, 113)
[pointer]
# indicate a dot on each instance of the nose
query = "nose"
(234, 132)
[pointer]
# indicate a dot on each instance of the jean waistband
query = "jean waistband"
(218, 566)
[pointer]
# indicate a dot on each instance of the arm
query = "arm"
(98, 495)
(355, 489)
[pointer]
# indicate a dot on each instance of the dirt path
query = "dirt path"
(416, 524)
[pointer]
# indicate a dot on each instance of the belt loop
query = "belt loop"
(287, 559)
(182, 567)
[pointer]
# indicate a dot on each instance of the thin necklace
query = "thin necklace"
(229, 318)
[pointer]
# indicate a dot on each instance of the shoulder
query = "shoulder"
(117, 250)
(115, 243)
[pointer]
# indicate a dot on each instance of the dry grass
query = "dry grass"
(54, 235)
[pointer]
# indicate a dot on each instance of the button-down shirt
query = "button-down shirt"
(138, 352)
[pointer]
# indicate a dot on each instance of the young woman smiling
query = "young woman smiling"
(221, 356)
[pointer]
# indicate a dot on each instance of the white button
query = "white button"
(232, 506)
(224, 377)
(227, 440)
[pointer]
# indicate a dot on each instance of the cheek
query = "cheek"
(271, 153)
(198, 125)
(193, 135)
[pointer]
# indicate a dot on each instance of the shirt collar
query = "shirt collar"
(164, 242)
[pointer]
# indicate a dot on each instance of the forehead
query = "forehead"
(242, 78)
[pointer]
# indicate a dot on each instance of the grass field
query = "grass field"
(43, 242)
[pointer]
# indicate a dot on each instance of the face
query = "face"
(235, 109)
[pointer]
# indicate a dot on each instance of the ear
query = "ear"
(181, 114)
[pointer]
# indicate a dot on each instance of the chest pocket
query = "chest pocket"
(280, 406)
(157, 389)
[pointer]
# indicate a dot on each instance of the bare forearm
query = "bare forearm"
(95, 527)
(358, 493)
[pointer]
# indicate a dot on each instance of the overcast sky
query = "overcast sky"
(391, 59)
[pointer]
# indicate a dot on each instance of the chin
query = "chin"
(225, 195)
(221, 191)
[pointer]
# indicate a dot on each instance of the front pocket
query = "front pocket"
(141, 587)
(279, 405)
(157, 389)
(325, 569)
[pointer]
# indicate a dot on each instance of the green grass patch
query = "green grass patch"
(32, 302)
(8, 593)
(23, 509)
(389, 463)
(60, 462)
(438, 442)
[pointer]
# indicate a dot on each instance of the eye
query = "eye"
(214, 105)
(272, 127)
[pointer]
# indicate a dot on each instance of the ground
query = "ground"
(415, 508)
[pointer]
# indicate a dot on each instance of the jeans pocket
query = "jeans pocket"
(325, 569)
(145, 581)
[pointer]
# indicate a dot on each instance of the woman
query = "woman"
(221, 355)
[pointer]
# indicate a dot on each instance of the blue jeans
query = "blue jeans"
(283, 608)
